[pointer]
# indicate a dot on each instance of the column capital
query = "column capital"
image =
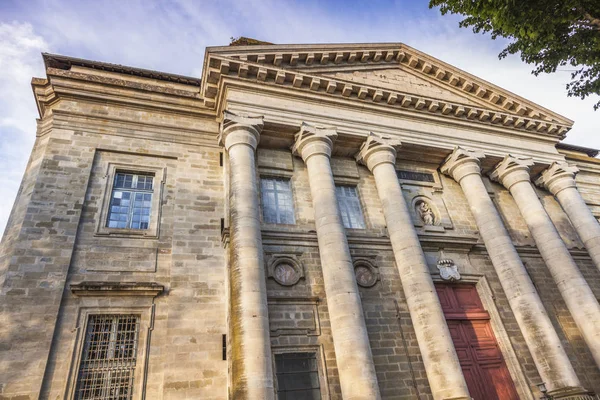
(311, 140)
(512, 169)
(557, 177)
(378, 149)
(240, 129)
(462, 162)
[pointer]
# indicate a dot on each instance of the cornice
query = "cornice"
(429, 242)
(341, 56)
(133, 93)
(97, 289)
(107, 125)
(293, 79)
(424, 129)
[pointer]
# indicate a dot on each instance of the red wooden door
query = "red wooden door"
(480, 358)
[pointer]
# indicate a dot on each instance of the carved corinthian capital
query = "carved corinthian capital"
(311, 140)
(378, 149)
(462, 162)
(240, 129)
(511, 170)
(557, 177)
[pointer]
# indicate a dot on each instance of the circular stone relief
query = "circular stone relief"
(365, 275)
(285, 274)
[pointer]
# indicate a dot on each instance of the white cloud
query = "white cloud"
(171, 36)
(20, 60)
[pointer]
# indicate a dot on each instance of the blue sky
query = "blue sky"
(170, 36)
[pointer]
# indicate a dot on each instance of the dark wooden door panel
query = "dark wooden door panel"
(480, 357)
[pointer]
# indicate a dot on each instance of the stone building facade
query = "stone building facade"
(356, 221)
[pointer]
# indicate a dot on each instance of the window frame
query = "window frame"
(155, 211)
(359, 202)
(321, 365)
(262, 202)
(109, 364)
(145, 316)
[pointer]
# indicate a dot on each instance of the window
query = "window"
(297, 376)
(277, 202)
(109, 358)
(131, 201)
(349, 203)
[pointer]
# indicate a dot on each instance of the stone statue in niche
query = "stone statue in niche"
(448, 270)
(425, 212)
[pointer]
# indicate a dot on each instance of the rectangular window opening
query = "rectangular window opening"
(109, 358)
(297, 376)
(349, 204)
(131, 201)
(277, 201)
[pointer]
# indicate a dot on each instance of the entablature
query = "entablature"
(300, 66)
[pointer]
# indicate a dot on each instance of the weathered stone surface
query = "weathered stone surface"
(59, 263)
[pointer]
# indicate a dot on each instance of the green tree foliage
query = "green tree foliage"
(547, 33)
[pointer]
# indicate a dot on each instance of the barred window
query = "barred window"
(131, 201)
(277, 202)
(109, 358)
(349, 203)
(297, 376)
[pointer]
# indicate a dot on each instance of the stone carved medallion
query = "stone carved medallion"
(285, 270)
(285, 274)
(366, 274)
(448, 270)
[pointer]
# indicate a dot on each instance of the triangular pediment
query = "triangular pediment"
(392, 75)
(399, 80)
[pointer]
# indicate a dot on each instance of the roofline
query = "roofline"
(579, 149)
(382, 45)
(66, 62)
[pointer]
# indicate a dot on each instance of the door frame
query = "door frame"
(508, 352)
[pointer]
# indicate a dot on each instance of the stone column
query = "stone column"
(435, 343)
(544, 344)
(559, 179)
(351, 342)
(513, 173)
(252, 371)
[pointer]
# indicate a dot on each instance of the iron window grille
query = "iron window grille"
(109, 358)
(131, 201)
(349, 204)
(277, 201)
(297, 376)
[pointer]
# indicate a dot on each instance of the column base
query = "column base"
(458, 398)
(573, 393)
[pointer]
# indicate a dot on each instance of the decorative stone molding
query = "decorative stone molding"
(462, 162)
(511, 170)
(240, 129)
(287, 270)
(367, 274)
(81, 289)
(448, 270)
(378, 149)
(311, 140)
(503, 113)
(557, 177)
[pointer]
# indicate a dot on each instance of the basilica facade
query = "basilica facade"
(338, 221)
